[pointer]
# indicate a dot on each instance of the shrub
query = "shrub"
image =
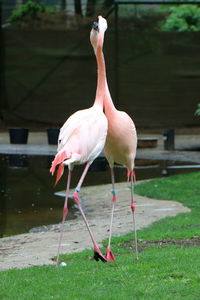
(182, 18)
(29, 10)
(197, 112)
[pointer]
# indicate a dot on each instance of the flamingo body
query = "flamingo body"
(81, 138)
(121, 141)
(120, 147)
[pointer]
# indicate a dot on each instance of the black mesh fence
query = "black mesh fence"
(50, 73)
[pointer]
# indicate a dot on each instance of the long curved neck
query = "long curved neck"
(103, 97)
(108, 103)
(101, 74)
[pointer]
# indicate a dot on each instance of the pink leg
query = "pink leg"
(109, 254)
(65, 212)
(133, 213)
(97, 253)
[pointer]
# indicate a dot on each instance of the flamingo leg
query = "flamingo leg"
(109, 254)
(65, 212)
(133, 214)
(97, 253)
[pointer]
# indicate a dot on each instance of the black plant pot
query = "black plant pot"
(18, 135)
(52, 134)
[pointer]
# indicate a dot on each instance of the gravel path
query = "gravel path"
(38, 248)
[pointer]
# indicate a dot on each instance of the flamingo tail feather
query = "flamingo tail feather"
(131, 173)
(58, 160)
(59, 173)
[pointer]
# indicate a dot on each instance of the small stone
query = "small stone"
(63, 264)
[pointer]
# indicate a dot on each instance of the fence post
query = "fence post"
(168, 136)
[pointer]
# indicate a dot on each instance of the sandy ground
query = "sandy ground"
(38, 248)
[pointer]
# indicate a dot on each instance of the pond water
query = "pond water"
(28, 196)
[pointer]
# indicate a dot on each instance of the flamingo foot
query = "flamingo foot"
(110, 255)
(98, 255)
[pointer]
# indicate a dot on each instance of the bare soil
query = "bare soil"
(143, 245)
(192, 242)
(40, 247)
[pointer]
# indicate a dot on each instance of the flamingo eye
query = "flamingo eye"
(95, 26)
(59, 141)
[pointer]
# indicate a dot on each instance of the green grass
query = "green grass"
(163, 272)
(160, 274)
(183, 188)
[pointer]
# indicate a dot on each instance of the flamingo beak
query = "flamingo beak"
(95, 26)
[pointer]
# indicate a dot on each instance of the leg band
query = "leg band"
(78, 189)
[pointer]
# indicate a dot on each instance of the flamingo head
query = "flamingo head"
(97, 32)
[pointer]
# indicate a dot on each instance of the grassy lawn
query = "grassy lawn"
(168, 267)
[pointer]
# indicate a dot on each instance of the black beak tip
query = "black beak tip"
(95, 26)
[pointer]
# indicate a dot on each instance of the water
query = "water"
(28, 196)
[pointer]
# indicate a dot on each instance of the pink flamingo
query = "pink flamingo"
(83, 136)
(120, 147)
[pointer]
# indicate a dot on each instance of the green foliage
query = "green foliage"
(30, 10)
(182, 18)
(197, 112)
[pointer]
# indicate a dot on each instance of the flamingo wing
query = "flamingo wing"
(121, 142)
(81, 139)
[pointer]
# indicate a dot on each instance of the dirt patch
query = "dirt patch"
(192, 242)
(143, 245)
(39, 248)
